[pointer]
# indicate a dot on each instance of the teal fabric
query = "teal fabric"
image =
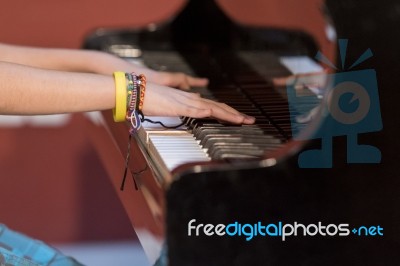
(163, 259)
(19, 249)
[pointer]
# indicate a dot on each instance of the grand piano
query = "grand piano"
(215, 173)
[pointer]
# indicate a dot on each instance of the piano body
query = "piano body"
(222, 174)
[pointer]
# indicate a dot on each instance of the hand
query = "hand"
(107, 63)
(164, 101)
(104, 63)
(176, 80)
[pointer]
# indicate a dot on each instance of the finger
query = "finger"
(222, 105)
(216, 113)
(197, 82)
(184, 84)
(220, 114)
(247, 120)
(220, 110)
(194, 103)
(228, 114)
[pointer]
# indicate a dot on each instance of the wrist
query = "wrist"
(129, 96)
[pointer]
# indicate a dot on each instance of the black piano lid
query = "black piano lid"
(357, 194)
(203, 25)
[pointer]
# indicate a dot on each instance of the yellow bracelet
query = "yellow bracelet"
(119, 111)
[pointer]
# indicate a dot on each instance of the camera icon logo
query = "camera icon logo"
(337, 108)
(351, 108)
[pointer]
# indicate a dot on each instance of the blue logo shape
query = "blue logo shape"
(352, 107)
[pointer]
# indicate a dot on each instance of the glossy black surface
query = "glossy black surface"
(355, 194)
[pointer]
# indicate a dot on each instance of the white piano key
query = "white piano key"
(174, 146)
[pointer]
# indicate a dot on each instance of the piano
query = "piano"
(216, 173)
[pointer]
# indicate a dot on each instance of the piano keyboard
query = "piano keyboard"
(204, 140)
(170, 148)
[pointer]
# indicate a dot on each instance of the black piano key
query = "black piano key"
(202, 133)
(240, 148)
(227, 153)
(212, 139)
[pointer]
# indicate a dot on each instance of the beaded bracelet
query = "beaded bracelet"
(129, 88)
(131, 91)
(142, 79)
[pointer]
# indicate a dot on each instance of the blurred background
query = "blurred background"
(53, 185)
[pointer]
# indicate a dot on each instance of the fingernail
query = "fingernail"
(250, 118)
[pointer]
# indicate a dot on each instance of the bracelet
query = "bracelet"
(120, 97)
(133, 96)
(129, 98)
(131, 91)
(129, 88)
(142, 79)
(134, 92)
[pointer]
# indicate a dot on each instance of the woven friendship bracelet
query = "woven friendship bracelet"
(132, 114)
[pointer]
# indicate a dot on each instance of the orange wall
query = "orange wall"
(64, 23)
(60, 23)
(303, 15)
(53, 186)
